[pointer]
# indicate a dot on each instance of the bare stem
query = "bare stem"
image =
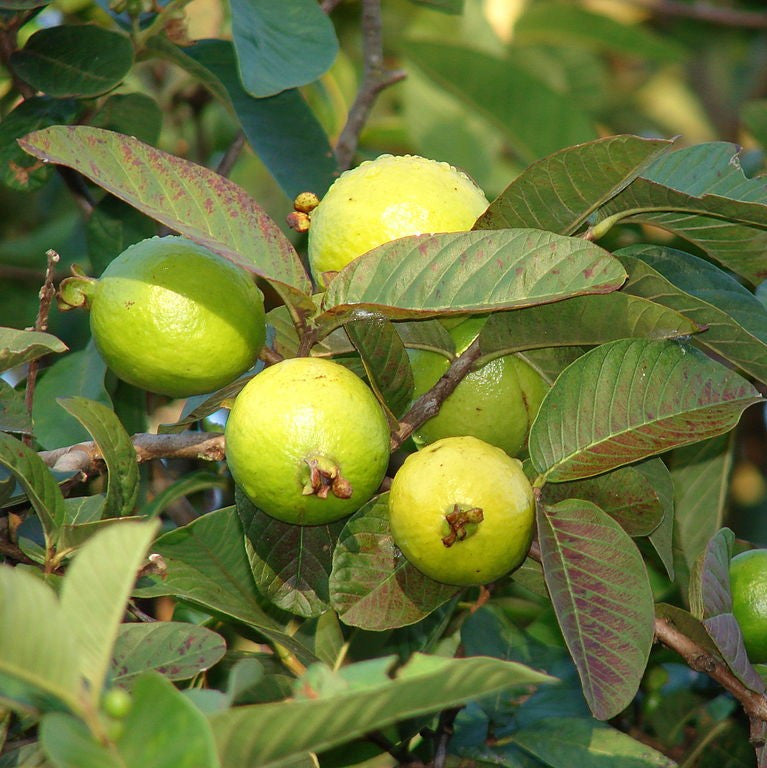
(230, 156)
(428, 404)
(375, 78)
(726, 17)
(47, 294)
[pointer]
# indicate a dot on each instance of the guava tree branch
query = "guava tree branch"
(428, 404)
(726, 17)
(375, 78)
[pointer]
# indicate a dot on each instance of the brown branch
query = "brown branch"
(47, 294)
(330, 5)
(270, 356)
(428, 404)
(726, 17)
(697, 658)
(86, 457)
(375, 78)
(224, 168)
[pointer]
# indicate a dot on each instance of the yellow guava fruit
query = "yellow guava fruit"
(748, 584)
(307, 441)
(172, 317)
(496, 403)
(386, 198)
(462, 511)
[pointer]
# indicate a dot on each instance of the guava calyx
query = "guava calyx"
(457, 520)
(76, 291)
(325, 477)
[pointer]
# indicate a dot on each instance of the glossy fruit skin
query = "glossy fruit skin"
(472, 474)
(386, 198)
(496, 403)
(172, 317)
(296, 410)
(748, 584)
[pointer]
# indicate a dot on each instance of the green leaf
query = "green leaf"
(187, 484)
(701, 475)
(561, 24)
(79, 374)
(734, 319)
(13, 411)
(194, 201)
(286, 337)
(207, 565)
(18, 347)
(629, 400)
(567, 741)
(163, 728)
(355, 700)
(657, 475)
(469, 272)
(290, 563)
(701, 194)
(386, 363)
(426, 334)
(82, 60)
(626, 494)
(372, 585)
(39, 664)
(495, 88)
(581, 321)
(561, 191)
(116, 450)
(37, 481)
(17, 169)
(175, 649)
(602, 597)
(96, 588)
(134, 114)
(282, 129)
(69, 744)
(445, 6)
(281, 46)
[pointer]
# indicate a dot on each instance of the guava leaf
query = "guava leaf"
(581, 321)
(464, 272)
(686, 623)
(372, 585)
(386, 363)
(711, 601)
(96, 588)
(191, 199)
(175, 649)
(134, 114)
(701, 474)
(701, 194)
(657, 475)
(18, 347)
(78, 60)
(69, 744)
(192, 482)
(290, 563)
(445, 6)
(281, 45)
(495, 88)
(39, 660)
(282, 129)
(631, 399)
(78, 374)
(551, 361)
(339, 706)
(207, 565)
(555, 23)
(626, 494)
(426, 334)
(116, 449)
(602, 598)
(735, 320)
(37, 481)
(559, 192)
(286, 340)
(14, 416)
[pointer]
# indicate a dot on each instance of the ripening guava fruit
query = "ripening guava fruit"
(172, 317)
(462, 511)
(307, 441)
(748, 584)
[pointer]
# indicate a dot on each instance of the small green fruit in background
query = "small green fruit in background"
(386, 198)
(307, 441)
(462, 511)
(172, 317)
(496, 403)
(748, 584)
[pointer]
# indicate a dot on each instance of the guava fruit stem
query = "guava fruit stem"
(325, 477)
(457, 520)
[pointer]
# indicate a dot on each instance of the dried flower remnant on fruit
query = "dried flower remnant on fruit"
(325, 476)
(457, 520)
